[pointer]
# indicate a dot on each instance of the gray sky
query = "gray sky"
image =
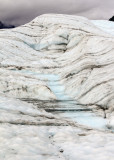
(22, 11)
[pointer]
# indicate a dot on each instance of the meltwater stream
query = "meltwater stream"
(66, 106)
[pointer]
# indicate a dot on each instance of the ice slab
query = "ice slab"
(86, 118)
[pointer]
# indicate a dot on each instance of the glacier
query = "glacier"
(62, 66)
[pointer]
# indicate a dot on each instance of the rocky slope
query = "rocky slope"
(111, 19)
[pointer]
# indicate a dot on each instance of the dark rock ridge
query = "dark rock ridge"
(111, 19)
(2, 25)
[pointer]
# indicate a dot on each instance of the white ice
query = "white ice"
(79, 54)
(87, 118)
(107, 26)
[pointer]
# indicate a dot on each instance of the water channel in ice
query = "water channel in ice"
(87, 118)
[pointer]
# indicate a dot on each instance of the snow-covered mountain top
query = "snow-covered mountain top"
(72, 22)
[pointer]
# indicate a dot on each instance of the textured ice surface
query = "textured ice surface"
(86, 118)
(57, 57)
(68, 49)
(54, 143)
